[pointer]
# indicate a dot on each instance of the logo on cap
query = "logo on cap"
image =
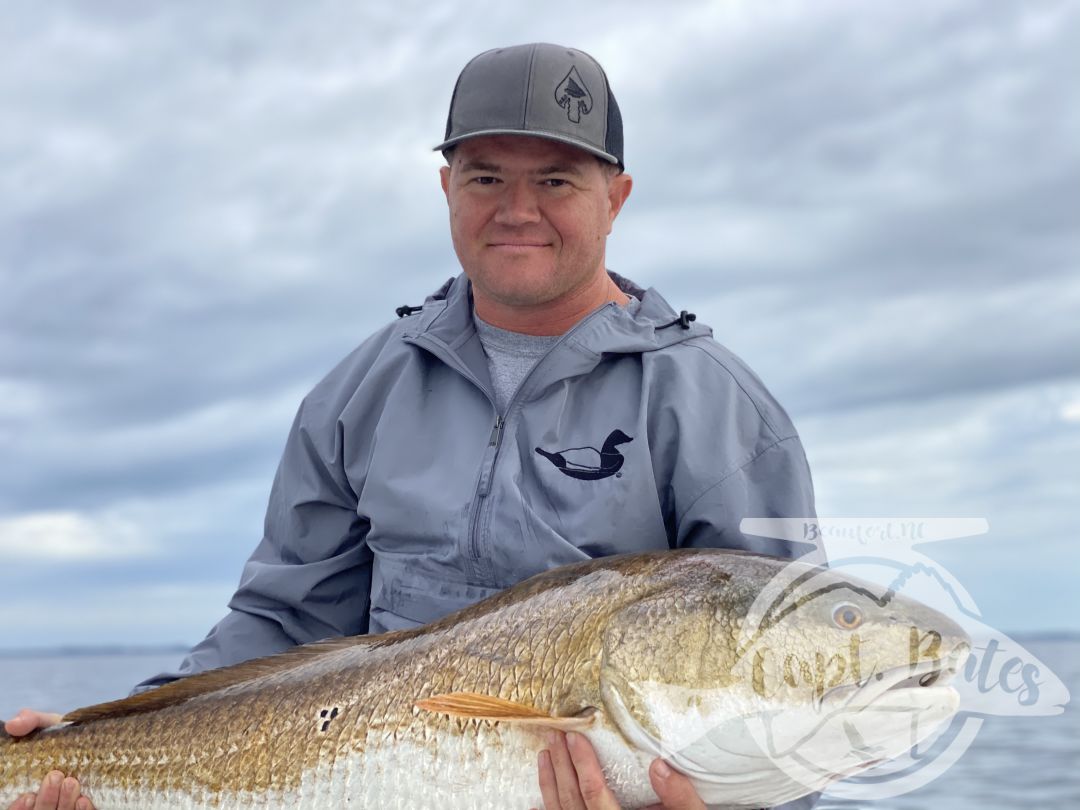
(574, 96)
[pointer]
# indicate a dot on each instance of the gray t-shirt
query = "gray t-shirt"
(511, 355)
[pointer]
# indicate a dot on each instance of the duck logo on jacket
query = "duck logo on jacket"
(588, 463)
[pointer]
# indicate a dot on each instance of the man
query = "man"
(535, 411)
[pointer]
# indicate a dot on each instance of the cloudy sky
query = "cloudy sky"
(204, 206)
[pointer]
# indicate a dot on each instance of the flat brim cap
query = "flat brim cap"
(547, 91)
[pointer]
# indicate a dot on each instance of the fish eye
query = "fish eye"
(847, 616)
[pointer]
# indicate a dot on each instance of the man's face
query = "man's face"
(529, 217)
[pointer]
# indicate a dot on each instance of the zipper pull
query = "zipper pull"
(495, 431)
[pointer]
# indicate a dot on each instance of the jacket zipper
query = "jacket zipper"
(487, 474)
(496, 432)
(487, 465)
(487, 470)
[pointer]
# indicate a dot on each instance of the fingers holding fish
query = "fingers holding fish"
(676, 791)
(67, 799)
(28, 720)
(549, 787)
(69, 794)
(573, 778)
(560, 788)
(48, 798)
(590, 776)
(56, 791)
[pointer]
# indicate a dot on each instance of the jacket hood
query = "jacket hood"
(446, 316)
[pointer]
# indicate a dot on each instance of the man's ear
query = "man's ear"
(444, 180)
(618, 190)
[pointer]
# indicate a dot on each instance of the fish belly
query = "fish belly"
(491, 767)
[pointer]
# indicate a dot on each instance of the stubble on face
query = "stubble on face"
(529, 219)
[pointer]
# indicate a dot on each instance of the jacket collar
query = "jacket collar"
(446, 317)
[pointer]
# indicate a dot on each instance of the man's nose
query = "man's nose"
(518, 204)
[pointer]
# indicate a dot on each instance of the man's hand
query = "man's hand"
(571, 779)
(56, 792)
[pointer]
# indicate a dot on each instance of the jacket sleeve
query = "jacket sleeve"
(310, 576)
(775, 482)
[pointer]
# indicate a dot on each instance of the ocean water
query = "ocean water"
(1013, 762)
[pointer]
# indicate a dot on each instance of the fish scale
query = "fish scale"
(452, 714)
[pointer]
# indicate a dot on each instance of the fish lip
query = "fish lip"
(935, 673)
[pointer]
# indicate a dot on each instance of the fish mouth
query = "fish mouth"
(922, 675)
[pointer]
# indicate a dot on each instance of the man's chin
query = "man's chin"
(513, 288)
(522, 298)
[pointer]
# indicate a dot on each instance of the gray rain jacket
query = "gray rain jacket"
(402, 494)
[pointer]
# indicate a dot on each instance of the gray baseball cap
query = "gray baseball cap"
(543, 90)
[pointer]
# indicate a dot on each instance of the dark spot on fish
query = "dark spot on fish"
(328, 714)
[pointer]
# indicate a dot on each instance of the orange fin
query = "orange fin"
(484, 707)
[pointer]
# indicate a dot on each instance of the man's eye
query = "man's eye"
(485, 180)
(555, 182)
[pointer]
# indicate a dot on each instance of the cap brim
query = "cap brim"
(550, 136)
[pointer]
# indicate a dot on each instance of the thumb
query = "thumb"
(676, 791)
(28, 720)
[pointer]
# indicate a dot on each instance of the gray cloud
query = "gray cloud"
(203, 208)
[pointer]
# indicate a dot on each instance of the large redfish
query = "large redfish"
(739, 669)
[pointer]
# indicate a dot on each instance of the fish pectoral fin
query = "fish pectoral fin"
(484, 707)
